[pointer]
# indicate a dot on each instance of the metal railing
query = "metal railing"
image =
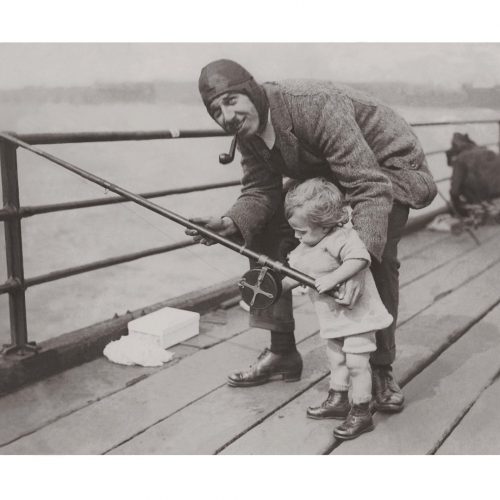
(12, 213)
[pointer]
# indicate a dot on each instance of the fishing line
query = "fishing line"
(171, 238)
(86, 183)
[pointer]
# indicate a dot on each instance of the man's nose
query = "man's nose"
(228, 114)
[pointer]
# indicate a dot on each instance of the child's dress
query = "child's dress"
(336, 320)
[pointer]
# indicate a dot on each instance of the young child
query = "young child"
(332, 253)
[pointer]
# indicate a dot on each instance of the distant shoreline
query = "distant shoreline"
(395, 93)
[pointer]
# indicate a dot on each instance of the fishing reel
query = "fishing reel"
(260, 287)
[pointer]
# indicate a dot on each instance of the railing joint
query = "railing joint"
(8, 142)
(11, 210)
(30, 347)
(16, 283)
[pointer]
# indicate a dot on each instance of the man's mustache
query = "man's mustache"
(231, 126)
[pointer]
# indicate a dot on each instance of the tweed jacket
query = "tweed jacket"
(324, 129)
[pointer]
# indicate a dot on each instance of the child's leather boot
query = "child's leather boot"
(357, 422)
(336, 405)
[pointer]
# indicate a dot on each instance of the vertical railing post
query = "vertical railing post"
(14, 250)
(499, 137)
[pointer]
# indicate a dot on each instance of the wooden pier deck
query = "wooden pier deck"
(448, 364)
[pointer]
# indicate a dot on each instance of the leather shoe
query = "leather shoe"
(269, 366)
(387, 394)
(357, 422)
(336, 405)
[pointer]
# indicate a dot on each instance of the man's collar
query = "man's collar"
(268, 135)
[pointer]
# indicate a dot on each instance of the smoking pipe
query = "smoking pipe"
(226, 158)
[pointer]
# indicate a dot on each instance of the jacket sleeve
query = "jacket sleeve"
(261, 195)
(332, 129)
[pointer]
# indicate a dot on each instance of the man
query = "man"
(302, 129)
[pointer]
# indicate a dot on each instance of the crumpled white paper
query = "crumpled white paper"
(136, 350)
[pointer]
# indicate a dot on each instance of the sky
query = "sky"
(75, 64)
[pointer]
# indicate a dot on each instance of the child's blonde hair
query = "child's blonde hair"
(322, 201)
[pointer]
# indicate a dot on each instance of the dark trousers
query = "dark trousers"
(386, 276)
(277, 241)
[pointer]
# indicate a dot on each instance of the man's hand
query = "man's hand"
(224, 226)
(351, 290)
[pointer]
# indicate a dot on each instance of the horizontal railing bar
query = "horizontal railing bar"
(93, 266)
(202, 230)
(442, 179)
(62, 138)
(28, 211)
(455, 122)
(440, 151)
(77, 137)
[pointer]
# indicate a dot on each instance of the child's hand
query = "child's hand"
(325, 283)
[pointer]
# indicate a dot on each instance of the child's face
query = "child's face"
(306, 232)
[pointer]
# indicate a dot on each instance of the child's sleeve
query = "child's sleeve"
(348, 245)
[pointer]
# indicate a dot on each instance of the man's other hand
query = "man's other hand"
(351, 290)
(224, 226)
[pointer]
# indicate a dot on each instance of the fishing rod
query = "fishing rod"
(260, 287)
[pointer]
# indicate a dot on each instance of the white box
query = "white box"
(166, 327)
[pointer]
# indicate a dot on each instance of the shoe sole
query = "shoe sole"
(347, 438)
(326, 418)
(274, 378)
(388, 408)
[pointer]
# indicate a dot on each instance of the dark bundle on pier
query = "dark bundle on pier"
(476, 173)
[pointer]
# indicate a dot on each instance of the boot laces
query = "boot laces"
(328, 400)
(249, 371)
(263, 354)
(388, 381)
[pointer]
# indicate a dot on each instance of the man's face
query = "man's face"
(235, 113)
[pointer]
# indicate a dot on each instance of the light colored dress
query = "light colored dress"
(336, 320)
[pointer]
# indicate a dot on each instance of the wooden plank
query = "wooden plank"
(38, 404)
(289, 431)
(438, 397)
(175, 434)
(432, 257)
(34, 406)
(419, 341)
(211, 422)
(479, 431)
(415, 242)
(432, 287)
(253, 342)
(445, 321)
(224, 324)
(102, 426)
